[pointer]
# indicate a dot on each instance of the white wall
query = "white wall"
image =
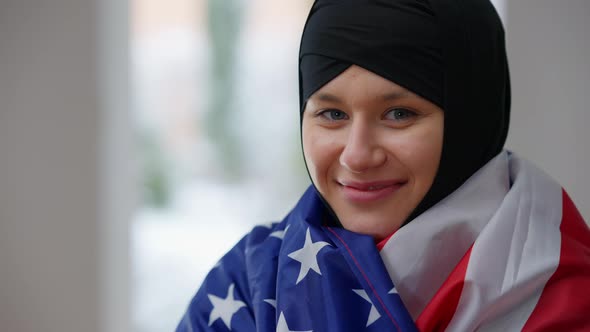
(63, 231)
(549, 56)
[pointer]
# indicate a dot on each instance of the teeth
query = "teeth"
(375, 187)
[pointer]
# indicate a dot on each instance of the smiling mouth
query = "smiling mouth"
(357, 192)
(372, 188)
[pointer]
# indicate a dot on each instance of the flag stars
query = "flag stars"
(224, 308)
(307, 256)
(272, 302)
(283, 327)
(280, 234)
(373, 314)
(393, 291)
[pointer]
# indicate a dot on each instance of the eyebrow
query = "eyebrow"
(328, 97)
(396, 95)
(323, 96)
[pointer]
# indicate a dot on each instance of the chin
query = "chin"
(377, 227)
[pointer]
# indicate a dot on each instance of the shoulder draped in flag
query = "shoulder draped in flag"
(507, 251)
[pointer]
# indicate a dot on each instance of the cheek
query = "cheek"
(320, 151)
(420, 151)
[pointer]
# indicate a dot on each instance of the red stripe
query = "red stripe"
(441, 309)
(564, 304)
(383, 242)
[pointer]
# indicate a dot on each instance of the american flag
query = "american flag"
(508, 251)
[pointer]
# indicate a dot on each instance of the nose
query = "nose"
(363, 150)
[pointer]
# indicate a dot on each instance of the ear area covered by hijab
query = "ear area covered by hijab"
(451, 52)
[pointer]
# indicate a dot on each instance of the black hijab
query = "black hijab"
(451, 52)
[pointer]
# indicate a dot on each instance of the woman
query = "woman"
(417, 219)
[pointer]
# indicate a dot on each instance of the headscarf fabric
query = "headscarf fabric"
(451, 52)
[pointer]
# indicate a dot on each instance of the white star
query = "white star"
(272, 302)
(307, 256)
(282, 325)
(280, 234)
(373, 314)
(393, 291)
(224, 308)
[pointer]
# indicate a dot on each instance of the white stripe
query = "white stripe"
(421, 255)
(514, 256)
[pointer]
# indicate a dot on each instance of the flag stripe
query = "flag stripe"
(514, 256)
(565, 303)
(383, 242)
(441, 309)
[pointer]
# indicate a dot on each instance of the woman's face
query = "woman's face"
(372, 148)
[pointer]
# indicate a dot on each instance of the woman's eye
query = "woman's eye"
(333, 115)
(400, 114)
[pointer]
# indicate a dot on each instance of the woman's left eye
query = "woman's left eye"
(399, 114)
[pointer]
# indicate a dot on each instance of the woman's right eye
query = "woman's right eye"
(333, 115)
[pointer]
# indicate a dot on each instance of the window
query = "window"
(217, 122)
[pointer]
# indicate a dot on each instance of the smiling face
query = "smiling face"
(372, 149)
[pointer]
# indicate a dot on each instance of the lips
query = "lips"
(365, 192)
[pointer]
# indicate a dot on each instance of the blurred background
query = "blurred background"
(215, 108)
(140, 140)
